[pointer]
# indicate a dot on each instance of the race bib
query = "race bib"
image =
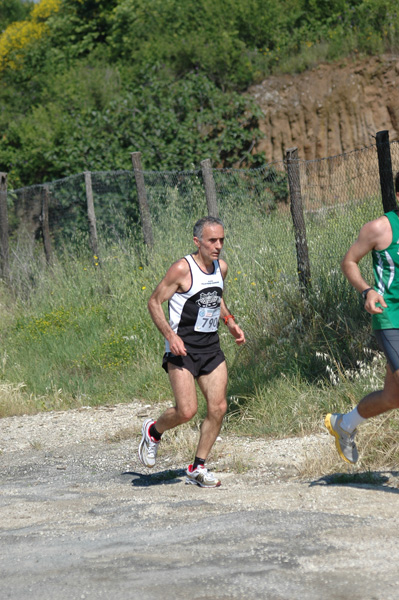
(207, 320)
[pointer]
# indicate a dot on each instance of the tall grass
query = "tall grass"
(79, 334)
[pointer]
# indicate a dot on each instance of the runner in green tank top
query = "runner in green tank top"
(386, 275)
(381, 238)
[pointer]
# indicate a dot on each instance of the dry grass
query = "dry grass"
(322, 462)
(15, 401)
(36, 445)
(378, 444)
(181, 443)
(125, 433)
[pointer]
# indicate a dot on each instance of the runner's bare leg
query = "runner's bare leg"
(186, 404)
(213, 386)
(383, 400)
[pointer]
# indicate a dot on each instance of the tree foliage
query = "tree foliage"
(13, 10)
(85, 82)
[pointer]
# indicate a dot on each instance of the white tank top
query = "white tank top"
(194, 315)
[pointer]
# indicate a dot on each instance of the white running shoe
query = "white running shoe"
(202, 477)
(148, 447)
(344, 441)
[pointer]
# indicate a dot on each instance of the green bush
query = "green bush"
(108, 78)
(14, 10)
(170, 122)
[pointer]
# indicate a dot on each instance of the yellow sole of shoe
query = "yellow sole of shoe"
(327, 423)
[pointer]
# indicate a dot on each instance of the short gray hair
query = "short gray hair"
(200, 224)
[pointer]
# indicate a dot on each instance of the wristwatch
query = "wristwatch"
(365, 292)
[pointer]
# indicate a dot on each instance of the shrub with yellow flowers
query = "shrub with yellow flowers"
(18, 37)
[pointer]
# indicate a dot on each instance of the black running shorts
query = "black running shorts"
(388, 340)
(197, 364)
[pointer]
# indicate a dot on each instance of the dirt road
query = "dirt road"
(80, 518)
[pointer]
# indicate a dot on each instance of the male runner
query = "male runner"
(381, 237)
(193, 287)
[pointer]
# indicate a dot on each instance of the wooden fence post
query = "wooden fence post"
(91, 215)
(143, 203)
(385, 169)
(4, 252)
(45, 225)
(210, 189)
(298, 218)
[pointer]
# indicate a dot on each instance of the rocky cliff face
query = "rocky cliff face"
(330, 109)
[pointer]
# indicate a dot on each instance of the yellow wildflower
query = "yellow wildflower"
(44, 9)
(18, 36)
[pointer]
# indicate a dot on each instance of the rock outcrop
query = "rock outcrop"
(329, 110)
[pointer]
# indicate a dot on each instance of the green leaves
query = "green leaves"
(162, 77)
(13, 10)
(175, 124)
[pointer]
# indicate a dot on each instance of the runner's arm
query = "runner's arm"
(170, 284)
(366, 241)
(232, 326)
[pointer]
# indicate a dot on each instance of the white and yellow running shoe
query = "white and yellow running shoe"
(344, 441)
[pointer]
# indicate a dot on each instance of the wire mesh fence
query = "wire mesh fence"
(338, 194)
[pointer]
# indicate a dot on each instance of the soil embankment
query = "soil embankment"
(330, 109)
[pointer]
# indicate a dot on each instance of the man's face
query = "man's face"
(211, 243)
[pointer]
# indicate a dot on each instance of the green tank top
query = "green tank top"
(386, 276)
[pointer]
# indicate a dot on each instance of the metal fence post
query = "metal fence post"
(4, 252)
(385, 169)
(210, 189)
(298, 218)
(143, 203)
